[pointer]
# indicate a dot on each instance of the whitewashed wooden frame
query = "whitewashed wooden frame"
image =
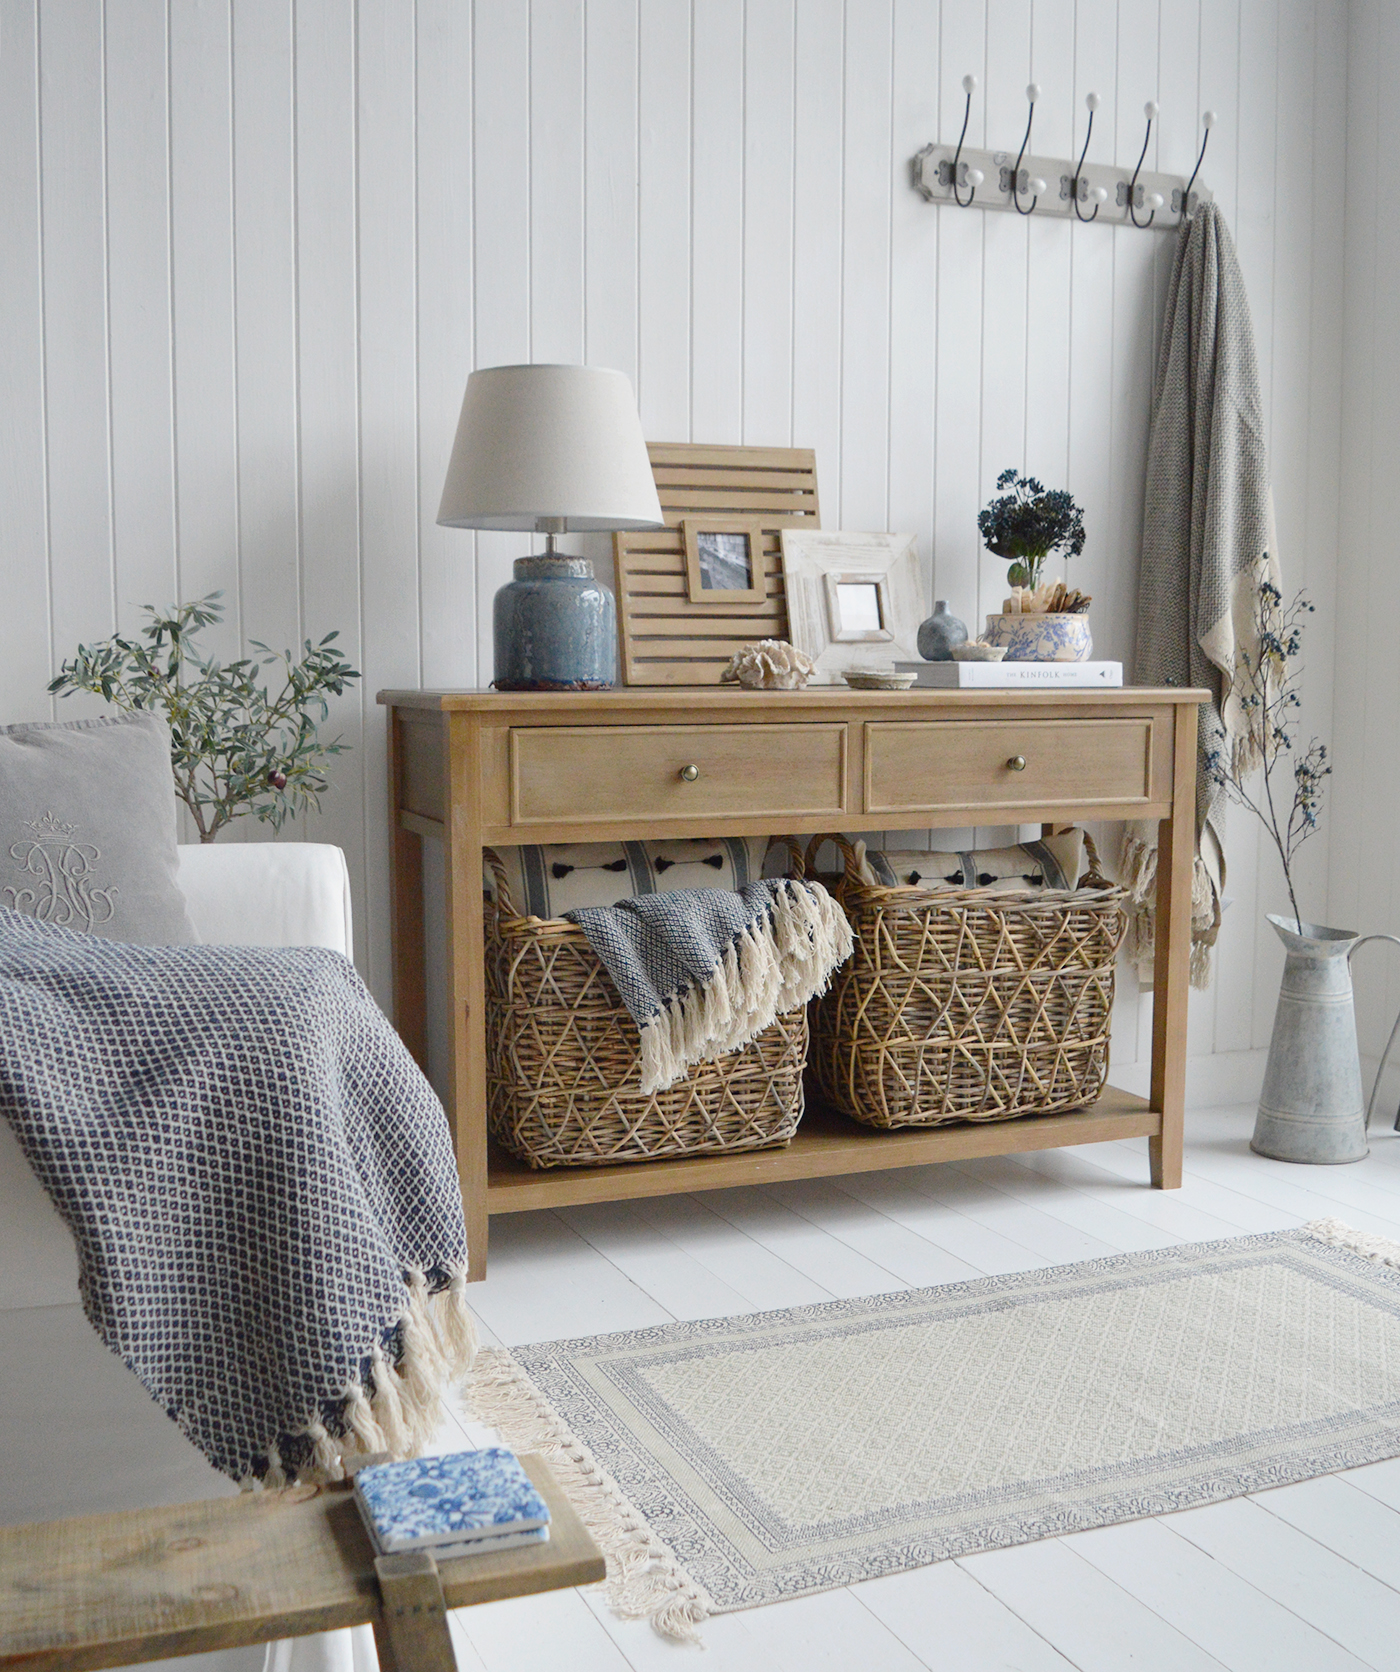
(817, 565)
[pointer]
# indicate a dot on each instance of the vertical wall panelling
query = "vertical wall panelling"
(501, 233)
(913, 278)
(818, 139)
(386, 149)
(865, 279)
(201, 267)
(76, 370)
(768, 221)
(610, 184)
(447, 580)
(717, 220)
(958, 468)
(327, 385)
(138, 305)
(663, 218)
(556, 180)
(254, 250)
(23, 479)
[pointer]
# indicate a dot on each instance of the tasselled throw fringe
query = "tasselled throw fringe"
(645, 1581)
(398, 1410)
(776, 963)
(1138, 869)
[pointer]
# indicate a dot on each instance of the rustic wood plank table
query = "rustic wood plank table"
(139, 1585)
(488, 768)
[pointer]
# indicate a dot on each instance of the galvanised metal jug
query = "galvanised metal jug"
(1311, 1109)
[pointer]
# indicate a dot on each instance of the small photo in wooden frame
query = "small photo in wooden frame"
(724, 560)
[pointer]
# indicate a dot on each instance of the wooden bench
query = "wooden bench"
(138, 1585)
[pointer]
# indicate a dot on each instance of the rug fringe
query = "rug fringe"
(645, 1581)
(777, 962)
(1381, 1250)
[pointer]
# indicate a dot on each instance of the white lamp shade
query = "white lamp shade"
(552, 449)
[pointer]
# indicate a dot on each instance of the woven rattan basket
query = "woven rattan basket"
(968, 1004)
(563, 1060)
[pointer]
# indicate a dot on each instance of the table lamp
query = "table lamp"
(551, 450)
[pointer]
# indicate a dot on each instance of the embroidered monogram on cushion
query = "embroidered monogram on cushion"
(63, 890)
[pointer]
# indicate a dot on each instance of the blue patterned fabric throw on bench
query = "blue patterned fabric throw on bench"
(260, 1183)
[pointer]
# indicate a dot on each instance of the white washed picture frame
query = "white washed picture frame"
(855, 601)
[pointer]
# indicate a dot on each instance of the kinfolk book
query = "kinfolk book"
(1001, 676)
(454, 1500)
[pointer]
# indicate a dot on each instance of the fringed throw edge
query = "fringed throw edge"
(784, 957)
(645, 1581)
(395, 1409)
(1137, 863)
(1380, 1251)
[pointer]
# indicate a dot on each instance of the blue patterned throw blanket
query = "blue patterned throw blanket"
(702, 970)
(260, 1183)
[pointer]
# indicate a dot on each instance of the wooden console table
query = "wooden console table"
(486, 768)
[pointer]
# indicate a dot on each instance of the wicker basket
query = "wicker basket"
(563, 1060)
(974, 1004)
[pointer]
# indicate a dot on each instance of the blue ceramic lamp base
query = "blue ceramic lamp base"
(555, 628)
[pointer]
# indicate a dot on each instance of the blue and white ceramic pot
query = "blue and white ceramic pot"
(1042, 638)
(555, 628)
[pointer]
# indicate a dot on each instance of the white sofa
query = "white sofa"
(239, 894)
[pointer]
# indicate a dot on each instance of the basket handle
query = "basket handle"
(847, 852)
(494, 864)
(1094, 877)
(796, 857)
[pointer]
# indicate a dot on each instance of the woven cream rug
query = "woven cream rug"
(738, 1461)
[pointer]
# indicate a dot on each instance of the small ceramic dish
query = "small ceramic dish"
(879, 679)
(976, 652)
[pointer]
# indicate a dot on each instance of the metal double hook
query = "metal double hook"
(1207, 122)
(1091, 104)
(1149, 110)
(974, 174)
(1035, 187)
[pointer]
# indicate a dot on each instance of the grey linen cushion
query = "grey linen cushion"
(87, 828)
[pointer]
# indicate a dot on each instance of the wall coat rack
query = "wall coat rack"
(1025, 184)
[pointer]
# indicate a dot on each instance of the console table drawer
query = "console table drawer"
(601, 774)
(947, 765)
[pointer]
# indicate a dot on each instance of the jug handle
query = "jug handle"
(1394, 1032)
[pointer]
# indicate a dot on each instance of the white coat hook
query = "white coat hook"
(1034, 187)
(1149, 110)
(1076, 186)
(1183, 206)
(973, 176)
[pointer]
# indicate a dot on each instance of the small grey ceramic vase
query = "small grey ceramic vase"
(940, 633)
(555, 628)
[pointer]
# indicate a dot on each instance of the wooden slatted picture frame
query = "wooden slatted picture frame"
(664, 637)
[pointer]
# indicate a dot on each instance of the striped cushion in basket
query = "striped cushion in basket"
(548, 881)
(1052, 862)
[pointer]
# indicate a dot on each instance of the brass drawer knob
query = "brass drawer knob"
(1017, 763)
(690, 773)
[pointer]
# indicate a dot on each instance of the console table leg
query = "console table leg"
(1176, 852)
(411, 1633)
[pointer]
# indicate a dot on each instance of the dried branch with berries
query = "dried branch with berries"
(1267, 683)
(235, 747)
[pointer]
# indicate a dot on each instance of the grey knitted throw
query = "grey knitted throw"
(260, 1183)
(1207, 542)
(702, 970)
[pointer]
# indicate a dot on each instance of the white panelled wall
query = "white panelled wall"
(251, 250)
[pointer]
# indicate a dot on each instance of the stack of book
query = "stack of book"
(465, 1504)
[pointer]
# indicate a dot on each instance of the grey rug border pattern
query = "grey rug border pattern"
(1275, 1457)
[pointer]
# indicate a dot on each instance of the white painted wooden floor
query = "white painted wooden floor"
(1306, 1577)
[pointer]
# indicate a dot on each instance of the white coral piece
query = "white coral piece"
(769, 665)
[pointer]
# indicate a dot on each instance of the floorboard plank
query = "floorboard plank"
(1119, 1232)
(825, 1259)
(894, 1247)
(1325, 1589)
(1093, 1622)
(1345, 1519)
(672, 1277)
(747, 1266)
(943, 1615)
(898, 1195)
(1208, 1603)
(538, 1634)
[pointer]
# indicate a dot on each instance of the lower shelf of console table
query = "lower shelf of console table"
(825, 1145)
